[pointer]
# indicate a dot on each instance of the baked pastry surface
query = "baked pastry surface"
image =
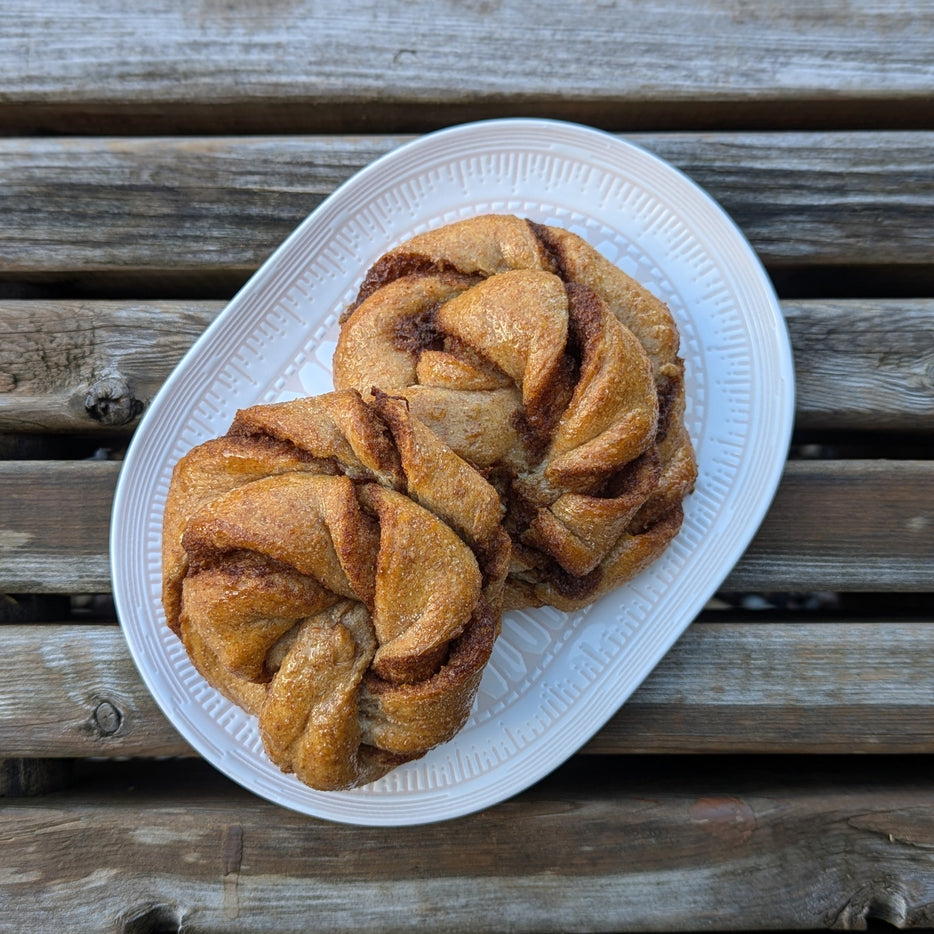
(507, 431)
(554, 373)
(335, 569)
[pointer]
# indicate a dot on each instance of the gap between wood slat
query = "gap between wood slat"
(790, 281)
(788, 114)
(667, 846)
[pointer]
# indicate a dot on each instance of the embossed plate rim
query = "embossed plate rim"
(478, 769)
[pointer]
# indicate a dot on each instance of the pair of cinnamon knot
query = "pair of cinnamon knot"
(507, 430)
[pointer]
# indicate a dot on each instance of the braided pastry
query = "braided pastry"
(336, 570)
(553, 372)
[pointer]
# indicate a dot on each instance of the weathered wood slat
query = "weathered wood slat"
(676, 816)
(349, 66)
(74, 365)
(825, 687)
(862, 365)
(55, 526)
(92, 701)
(750, 687)
(158, 211)
(653, 847)
(845, 525)
(834, 525)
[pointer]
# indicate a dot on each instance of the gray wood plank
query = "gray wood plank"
(859, 365)
(350, 66)
(845, 525)
(835, 686)
(778, 687)
(666, 848)
(55, 526)
(91, 366)
(834, 525)
(206, 212)
(863, 365)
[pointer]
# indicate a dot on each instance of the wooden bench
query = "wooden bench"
(774, 771)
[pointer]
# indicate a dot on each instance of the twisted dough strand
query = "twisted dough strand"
(310, 583)
(508, 430)
(543, 364)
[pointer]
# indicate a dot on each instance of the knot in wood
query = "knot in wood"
(148, 917)
(110, 402)
(107, 718)
(883, 899)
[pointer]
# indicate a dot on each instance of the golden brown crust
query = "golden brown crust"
(337, 571)
(508, 431)
(547, 367)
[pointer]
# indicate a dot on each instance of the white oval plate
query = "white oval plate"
(554, 679)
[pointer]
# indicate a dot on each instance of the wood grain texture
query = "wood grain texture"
(55, 526)
(165, 205)
(859, 365)
(152, 212)
(834, 525)
(660, 847)
(744, 687)
(93, 701)
(346, 66)
(845, 525)
(162, 151)
(839, 686)
(72, 366)
(863, 365)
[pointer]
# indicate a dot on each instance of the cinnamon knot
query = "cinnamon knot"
(337, 571)
(554, 373)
